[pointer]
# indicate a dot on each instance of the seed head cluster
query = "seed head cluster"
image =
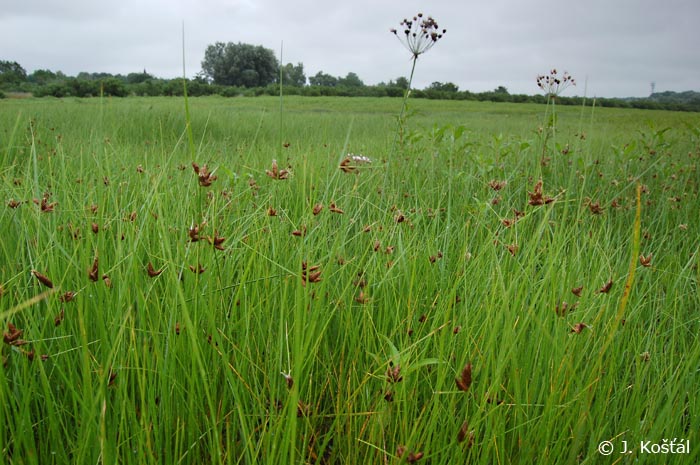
(419, 34)
(553, 84)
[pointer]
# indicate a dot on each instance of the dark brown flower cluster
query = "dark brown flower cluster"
(553, 84)
(204, 175)
(419, 34)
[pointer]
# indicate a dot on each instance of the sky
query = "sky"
(613, 48)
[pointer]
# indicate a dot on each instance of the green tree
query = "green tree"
(11, 73)
(240, 64)
(136, 78)
(322, 79)
(42, 77)
(444, 87)
(293, 75)
(114, 87)
(351, 80)
(401, 82)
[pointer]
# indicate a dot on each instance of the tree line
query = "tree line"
(238, 69)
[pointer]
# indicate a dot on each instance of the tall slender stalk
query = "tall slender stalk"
(400, 123)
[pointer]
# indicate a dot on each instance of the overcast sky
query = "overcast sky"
(613, 48)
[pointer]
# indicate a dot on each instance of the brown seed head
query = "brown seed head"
(43, 279)
(465, 379)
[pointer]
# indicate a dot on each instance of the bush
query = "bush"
(230, 91)
(114, 87)
(52, 90)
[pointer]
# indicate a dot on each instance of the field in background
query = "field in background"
(437, 304)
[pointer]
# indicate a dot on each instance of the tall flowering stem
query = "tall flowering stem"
(553, 85)
(418, 35)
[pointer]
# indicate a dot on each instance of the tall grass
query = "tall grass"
(438, 260)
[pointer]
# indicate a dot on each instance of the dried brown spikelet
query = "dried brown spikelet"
(112, 378)
(497, 185)
(595, 208)
(67, 296)
(645, 261)
(465, 378)
(414, 457)
(606, 287)
(317, 209)
(204, 177)
(45, 206)
(59, 318)
(400, 450)
(537, 197)
(393, 374)
(107, 281)
(303, 409)
(345, 165)
(193, 232)
(217, 241)
(43, 279)
(93, 272)
(95, 228)
(198, 269)
(289, 381)
(310, 274)
(577, 291)
(361, 298)
(334, 208)
(152, 272)
(578, 327)
(12, 335)
(276, 173)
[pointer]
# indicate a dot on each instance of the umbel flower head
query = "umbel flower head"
(419, 35)
(553, 84)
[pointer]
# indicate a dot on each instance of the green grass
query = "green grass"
(421, 274)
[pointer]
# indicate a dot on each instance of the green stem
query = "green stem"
(408, 89)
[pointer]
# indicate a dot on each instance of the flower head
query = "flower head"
(419, 34)
(553, 84)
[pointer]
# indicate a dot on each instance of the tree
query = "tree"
(351, 80)
(240, 64)
(401, 82)
(136, 78)
(293, 75)
(11, 73)
(42, 77)
(323, 80)
(444, 87)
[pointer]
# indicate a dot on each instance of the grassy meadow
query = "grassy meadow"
(496, 286)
